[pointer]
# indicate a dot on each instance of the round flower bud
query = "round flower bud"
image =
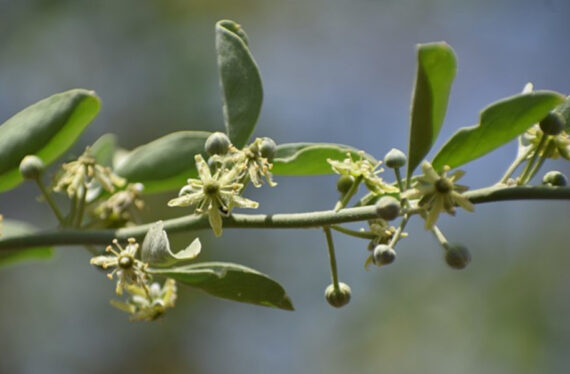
(554, 178)
(344, 183)
(383, 255)
(267, 149)
(552, 124)
(457, 256)
(395, 159)
(338, 298)
(217, 143)
(388, 208)
(31, 167)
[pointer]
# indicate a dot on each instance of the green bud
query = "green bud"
(344, 183)
(395, 159)
(388, 208)
(554, 178)
(267, 149)
(552, 124)
(31, 167)
(383, 255)
(457, 256)
(338, 298)
(217, 143)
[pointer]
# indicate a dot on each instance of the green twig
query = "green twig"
(50, 201)
(332, 258)
(271, 221)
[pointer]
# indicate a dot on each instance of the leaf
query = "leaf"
(156, 248)
(242, 93)
(310, 158)
(436, 69)
(103, 150)
(165, 163)
(231, 281)
(46, 129)
(11, 228)
(564, 109)
(500, 123)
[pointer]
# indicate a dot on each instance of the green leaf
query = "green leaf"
(16, 228)
(240, 80)
(500, 123)
(310, 158)
(155, 249)
(435, 73)
(165, 163)
(46, 129)
(103, 150)
(231, 281)
(564, 109)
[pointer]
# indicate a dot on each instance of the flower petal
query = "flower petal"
(203, 168)
(462, 201)
(186, 200)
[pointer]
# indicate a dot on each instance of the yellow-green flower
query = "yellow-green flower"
(148, 304)
(438, 192)
(363, 169)
(129, 270)
(78, 175)
(214, 195)
(121, 207)
(556, 145)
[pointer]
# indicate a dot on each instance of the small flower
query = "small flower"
(148, 305)
(0, 224)
(120, 208)
(556, 146)
(365, 170)
(78, 175)
(129, 270)
(213, 194)
(256, 165)
(438, 192)
(384, 234)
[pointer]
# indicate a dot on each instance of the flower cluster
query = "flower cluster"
(220, 182)
(146, 301)
(556, 146)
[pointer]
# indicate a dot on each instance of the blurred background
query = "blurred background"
(334, 71)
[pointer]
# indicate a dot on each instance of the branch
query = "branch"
(271, 221)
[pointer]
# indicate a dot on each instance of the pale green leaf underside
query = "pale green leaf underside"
(564, 109)
(165, 163)
(156, 248)
(242, 92)
(231, 281)
(310, 158)
(17, 228)
(500, 123)
(46, 129)
(103, 150)
(435, 72)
